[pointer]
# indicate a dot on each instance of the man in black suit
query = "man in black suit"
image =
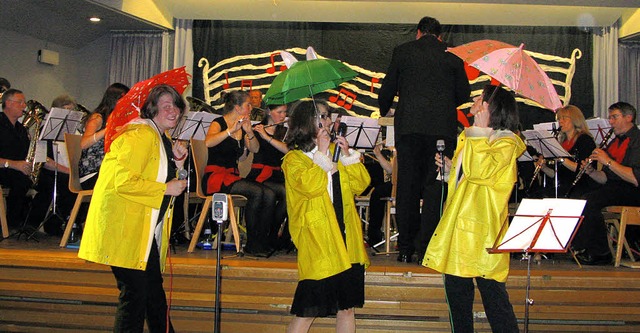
(431, 83)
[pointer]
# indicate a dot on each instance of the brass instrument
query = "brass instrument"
(33, 116)
(603, 145)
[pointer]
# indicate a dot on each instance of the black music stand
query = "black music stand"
(549, 147)
(193, 124)
(58, 122)
(539, 225)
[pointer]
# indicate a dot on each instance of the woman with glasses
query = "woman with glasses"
(575, 138)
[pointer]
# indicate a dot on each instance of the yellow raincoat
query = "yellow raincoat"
(312, 219)
(126, 200)
(482, 176)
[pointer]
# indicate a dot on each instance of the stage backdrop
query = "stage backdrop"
(369, 47)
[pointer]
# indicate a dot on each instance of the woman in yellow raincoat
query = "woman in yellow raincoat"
(323, 221)
(129, 217)
(482, 175)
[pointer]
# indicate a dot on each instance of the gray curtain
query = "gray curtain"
(183, 50)
(629, 79)
(605, 69)
(135, 56)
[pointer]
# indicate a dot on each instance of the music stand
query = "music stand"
(361, 132)
(193, 124)
(598, 128)
(539, 225)
(58, 122)
(548, 146)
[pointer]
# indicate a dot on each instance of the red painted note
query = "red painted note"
(248, 83)
(272, 69)
(344, 98)
(374, 80)
(226, 85)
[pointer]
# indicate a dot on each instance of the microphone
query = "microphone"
(440, 148)
(182, 174)
(342, 130)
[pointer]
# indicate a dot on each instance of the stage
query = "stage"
(44, 288)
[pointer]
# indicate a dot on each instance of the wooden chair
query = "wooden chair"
(3, 213)
(72, 142)
(628, 215)
(235, 202)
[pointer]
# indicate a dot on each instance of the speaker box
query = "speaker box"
(48, 57)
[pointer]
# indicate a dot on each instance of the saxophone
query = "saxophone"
(33, 116)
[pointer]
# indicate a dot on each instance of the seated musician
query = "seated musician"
(227, 138)
(14, 146)
(266, 170)
(619, 178)
(575, 138)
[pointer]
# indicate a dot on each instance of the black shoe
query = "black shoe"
(586, 258)
(406, 258)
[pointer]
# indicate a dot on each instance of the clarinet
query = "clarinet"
(582, 171)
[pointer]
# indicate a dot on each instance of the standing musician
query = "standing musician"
(575, 138)
(619, 176)
(266, 164)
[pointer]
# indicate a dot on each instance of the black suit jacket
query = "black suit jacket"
(430, 82)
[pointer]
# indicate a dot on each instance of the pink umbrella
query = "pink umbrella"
(512, 67)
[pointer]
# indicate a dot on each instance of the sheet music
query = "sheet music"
(545, 144)
(59, 121)
(362, 132)
(193, 124)
(525, 157)
(523, 229)
(546, 126)
(598, 128)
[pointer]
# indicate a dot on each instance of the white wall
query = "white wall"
(81, 73)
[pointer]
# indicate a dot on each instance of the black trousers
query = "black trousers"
(495, 299)
(416, 171)
(376, 211)
(18, 185)
(141, 296)
(592, 234)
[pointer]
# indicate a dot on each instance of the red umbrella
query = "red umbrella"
(512, 67)
(128, 107)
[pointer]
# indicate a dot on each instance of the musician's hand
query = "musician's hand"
(260, 130)
(589, 166)
(323, 140)
(377, 150)
(21, 166)
(600, 156)
(175, 187)
(246, 125)
(540, 161)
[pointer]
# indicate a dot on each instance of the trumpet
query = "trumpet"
(583, 170)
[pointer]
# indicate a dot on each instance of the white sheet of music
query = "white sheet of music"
(545, 144)
(555, 234)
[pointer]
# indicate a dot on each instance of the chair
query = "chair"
(3, 213)
(200, 153)
(72, 142)
(629, 215)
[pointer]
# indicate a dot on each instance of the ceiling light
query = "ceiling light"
(94, 19)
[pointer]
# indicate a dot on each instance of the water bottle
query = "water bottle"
(73, 237)
(207, 242)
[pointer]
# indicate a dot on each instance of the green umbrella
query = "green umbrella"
(307, 78)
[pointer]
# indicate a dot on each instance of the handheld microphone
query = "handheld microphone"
(342, 130)
(182, 174)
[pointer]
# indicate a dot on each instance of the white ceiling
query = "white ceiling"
(65, 22)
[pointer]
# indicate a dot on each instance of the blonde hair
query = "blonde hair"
(577, 119)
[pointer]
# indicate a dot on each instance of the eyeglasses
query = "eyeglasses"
(562, 117)
(324, 116)
(615, 116)
(19, 101)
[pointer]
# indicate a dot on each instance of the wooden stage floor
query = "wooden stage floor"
(44, 288)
